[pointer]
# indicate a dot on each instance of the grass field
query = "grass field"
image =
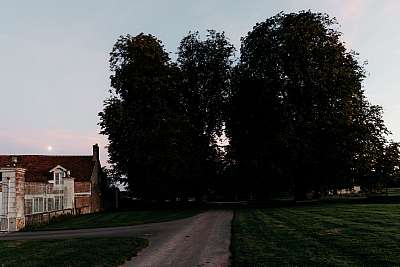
(323, 235)
(69, 252)
(110, 219)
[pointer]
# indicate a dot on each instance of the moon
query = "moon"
(49, 148)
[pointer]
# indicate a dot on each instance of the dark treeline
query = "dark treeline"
(291, 111)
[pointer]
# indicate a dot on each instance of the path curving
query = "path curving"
(201, 240)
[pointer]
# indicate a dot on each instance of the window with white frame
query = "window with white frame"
(58, 177)
(58, 173)
(58, 202)
(28, 206)
(38, 205)
(50, 204)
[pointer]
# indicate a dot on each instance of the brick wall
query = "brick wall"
(96, 199)
(20, 198)
(82, 187)
(82, 204)
(46, 216)
(96, 203)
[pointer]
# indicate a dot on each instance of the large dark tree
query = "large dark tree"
(163, 119)
(205, 67)
(143, 119)
(300, 119)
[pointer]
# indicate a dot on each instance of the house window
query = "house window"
(38, 205)
(1, 177)
(58, 177)
(50, 204)
(28, 206)
(58, 202)
(41, 206)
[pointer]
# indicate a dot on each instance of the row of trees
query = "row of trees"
(292, 108)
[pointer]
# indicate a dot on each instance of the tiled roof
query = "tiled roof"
(38, 166)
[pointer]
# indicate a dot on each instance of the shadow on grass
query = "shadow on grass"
(70, 252)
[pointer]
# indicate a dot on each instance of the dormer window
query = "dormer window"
(58, 177)
(59, 173)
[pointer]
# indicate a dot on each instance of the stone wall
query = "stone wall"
(45, 217)
(95, 202)
(19, 198)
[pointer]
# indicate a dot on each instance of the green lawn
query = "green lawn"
(324, 235)
(69, 252)
(110, 219)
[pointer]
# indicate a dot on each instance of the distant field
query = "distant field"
(393, 191)
(324, 235)
(70, 252)
(389, 192)
(111, 219)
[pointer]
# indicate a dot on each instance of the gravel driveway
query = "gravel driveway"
(201, 240)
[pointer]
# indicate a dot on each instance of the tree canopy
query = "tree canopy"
(205, 67)
(299, 95)
(292, 106)
(142, 119)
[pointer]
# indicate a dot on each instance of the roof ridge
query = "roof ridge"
(38, 166)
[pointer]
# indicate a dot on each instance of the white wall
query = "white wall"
(1, 202)
(8, 199)
(69, 194)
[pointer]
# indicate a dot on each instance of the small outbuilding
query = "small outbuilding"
(36, 188)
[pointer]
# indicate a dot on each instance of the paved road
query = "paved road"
(201, 240)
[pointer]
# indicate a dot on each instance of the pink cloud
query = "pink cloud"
(353, 9)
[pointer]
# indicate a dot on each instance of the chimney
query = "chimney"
(14, 160)
(96, 156)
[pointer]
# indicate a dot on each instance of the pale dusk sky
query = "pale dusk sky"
(54, 57)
